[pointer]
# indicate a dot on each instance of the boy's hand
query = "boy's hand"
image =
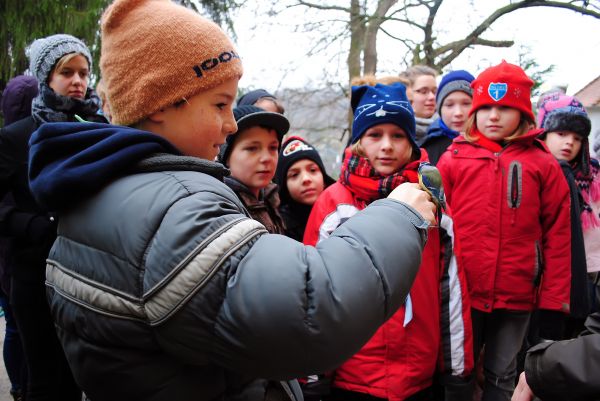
(416, 198)
(522, 392)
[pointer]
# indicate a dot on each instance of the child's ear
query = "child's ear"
(158, 117)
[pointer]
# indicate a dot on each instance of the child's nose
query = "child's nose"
(229, 125)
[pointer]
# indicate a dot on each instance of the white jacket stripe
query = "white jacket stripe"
(160, 304)
(457, 324)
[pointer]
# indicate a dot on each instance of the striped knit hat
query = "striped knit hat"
(44, 53)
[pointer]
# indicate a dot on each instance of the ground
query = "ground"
(4, 383)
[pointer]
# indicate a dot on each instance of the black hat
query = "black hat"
(252, 97)
(292, 150)
(252, 116)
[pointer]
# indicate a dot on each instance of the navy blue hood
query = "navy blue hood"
(68, 162)
(438, 129)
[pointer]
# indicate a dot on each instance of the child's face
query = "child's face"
(305, 181)
(199, 126)
(564, 145)
(71, 78)
(423, 96)
(387, 147)
(253, 159)
(455, 110)
(497, 122)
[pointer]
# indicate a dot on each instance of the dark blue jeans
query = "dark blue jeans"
(49, 376)
(13, 350)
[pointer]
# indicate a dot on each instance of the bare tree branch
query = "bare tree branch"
(482, 42)
(428, 40)
(324, 7)
(474, 35)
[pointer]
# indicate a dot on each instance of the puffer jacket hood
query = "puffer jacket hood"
(17, 97)
(68, 162)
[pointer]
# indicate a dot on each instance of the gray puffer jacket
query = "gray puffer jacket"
(162, 288)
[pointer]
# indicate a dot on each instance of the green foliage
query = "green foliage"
(27, 20)
(217, 10)
(537, 73)
(23, 21)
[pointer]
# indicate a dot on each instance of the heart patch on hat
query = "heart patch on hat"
(497, 90)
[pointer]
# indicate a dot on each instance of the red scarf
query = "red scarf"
(485, 142)
(367, 185)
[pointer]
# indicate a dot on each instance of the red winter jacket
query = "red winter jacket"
(432, 330)
(511, 213)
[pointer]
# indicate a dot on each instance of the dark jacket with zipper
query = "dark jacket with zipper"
(163, 288)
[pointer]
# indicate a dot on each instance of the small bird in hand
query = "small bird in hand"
(430, 180)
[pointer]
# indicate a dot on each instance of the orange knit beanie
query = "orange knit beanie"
(156, 53)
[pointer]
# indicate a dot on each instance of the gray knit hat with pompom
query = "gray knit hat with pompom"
(45, 52)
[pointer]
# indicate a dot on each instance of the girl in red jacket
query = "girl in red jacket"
(510, 201)
(433, 328)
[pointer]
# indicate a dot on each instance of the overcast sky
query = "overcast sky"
(275, 56)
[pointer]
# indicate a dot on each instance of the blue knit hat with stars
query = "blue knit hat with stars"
(380, 104)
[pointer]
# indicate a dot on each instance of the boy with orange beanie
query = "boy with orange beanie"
(161, 286)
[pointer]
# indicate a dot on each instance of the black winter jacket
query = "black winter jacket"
(567, 370)
(31, 227)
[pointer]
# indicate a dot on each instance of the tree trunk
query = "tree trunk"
(370, 48)
(357, 30)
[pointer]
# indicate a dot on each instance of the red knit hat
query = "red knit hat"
(504, 85)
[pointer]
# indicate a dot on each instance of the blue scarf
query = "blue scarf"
(439, 129)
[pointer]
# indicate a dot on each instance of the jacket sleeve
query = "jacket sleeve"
(554, 292)
(456, 349)
(566, 370)
(287, 310)
(325, 216)
(443, 166)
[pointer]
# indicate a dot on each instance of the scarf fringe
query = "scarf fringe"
(590, 192)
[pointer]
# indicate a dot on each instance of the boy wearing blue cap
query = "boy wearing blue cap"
(453, 99)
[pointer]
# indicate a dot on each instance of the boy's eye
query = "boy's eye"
(221, 106)
(292, 175)
(251, 148)
(373, 134)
